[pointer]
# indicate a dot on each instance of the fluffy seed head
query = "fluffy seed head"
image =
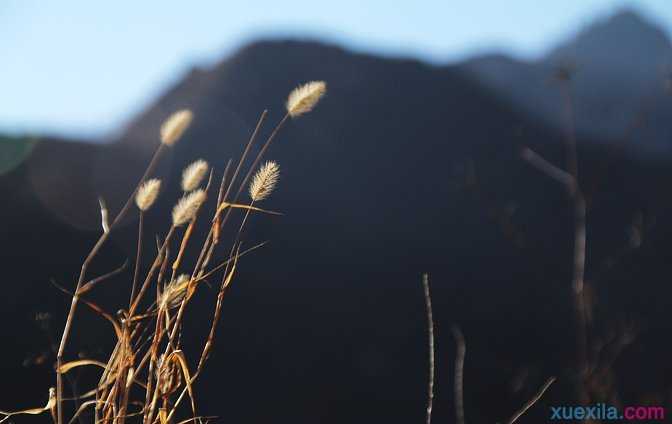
(173, 127)
(175, 290)
(193, 175)
(264, 181)
(186, 208)
(147, 194)
(304, 97)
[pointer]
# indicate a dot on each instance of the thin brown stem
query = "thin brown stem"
(218, 309)
(214, 233)
(459, 374)
(183, 247)
(430, 342)
(579, 259)
(253, 167)
(572, 155)
(250, 142)
(260, 155)
(157, 262)
(578, 281)
(530, 403)
(548, 168)
(570, 179)
(138, 256)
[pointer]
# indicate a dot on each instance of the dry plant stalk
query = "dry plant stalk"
(530, 403)
(458, 389)
(149, 374)
(431, 346)
(569, 178)
(458, 383)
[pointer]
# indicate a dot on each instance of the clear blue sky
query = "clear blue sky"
(84, 67)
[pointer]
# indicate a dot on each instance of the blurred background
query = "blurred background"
(78, 69)
(410, 164)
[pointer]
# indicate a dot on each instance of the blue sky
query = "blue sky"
(82, 68)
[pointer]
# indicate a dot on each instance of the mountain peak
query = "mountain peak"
(624, 40)
(628, 23)
(625, 46)
(628, 18)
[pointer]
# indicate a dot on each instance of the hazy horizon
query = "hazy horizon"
(104, 65)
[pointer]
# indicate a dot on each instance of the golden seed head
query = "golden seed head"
(175, 290)
(193, 175)
(168, 376)
(147, 194)
(186, 208)
(173, 127)
(304, 97)
(264, 181)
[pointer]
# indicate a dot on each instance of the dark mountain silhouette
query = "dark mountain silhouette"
(620, 67)
(403, 168)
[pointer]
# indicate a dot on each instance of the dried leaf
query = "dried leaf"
(177, 356)
(222, 207)
(79, 363)
(51, 403)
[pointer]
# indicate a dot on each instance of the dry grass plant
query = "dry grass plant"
(149, 376)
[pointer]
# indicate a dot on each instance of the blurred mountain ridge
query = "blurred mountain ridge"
(621, 72)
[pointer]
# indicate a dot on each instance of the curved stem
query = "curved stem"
(138, 255)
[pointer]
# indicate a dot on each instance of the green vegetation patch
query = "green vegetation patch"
(14, 150)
